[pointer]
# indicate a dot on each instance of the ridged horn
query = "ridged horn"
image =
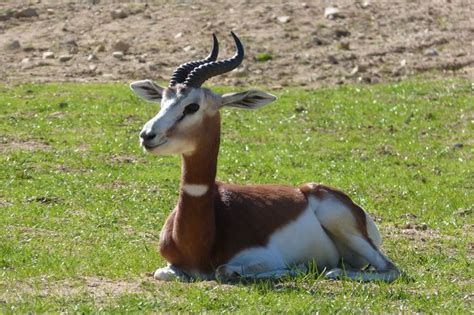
(200, 74)
(181, 72)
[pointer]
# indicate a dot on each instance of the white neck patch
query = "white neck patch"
(195, 190)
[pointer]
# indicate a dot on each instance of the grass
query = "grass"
(81, 205)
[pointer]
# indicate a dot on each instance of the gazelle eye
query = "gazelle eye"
(191, 109)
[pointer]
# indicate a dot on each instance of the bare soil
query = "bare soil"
(286, 43)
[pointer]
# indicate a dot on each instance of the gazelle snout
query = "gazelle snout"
(147, 136)
(150, 137)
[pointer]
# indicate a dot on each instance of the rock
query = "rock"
(28, 48)
(6, 16)
(458, 145)
(91, 57)
(121, 46)
(403, 63)
(13, 45)
(142, 58)
(188, 48)
(283, 19)
(118, 55)
(344, 45)
(320, 41)
(26, 13)
(338, 33)
(304, 5)
(50, 11)
(332, 60)
(92, 67)
(363, 4)
(119, 14)
(431, 52)
(48, 55)
(26, 64)
(179, 35)
(354, 71)
(333, 13)
(99, 48)
(64, 58)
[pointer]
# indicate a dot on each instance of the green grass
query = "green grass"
(81, 205)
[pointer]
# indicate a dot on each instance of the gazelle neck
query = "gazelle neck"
(194, 223)
(199, 167)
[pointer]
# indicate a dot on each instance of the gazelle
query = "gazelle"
(225, 231)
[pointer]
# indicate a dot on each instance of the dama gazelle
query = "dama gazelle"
(228, 231)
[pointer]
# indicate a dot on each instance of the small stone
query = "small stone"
(283, 19)
(48, 55)
(142, 58)
(25, 60)
(363, 4)
(13, 45)
(26, 13)
(50, 11)
(344, 45)
(338, 33)
(118, 55)
(121, 46)
(332, 60)
(458, 145)
(332, 13)
(118, 14)
(304, 5)
(92, 67)
(179, 35)
(188, 48)
(431, 52)
(354, 71)
(91, 57)
(99, 48)
(319, 41)
(403, 63)
(64, 58)
(28, 48)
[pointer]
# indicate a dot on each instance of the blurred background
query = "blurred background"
(310, 43)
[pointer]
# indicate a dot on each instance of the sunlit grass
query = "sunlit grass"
(81, 205)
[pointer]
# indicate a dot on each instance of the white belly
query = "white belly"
(301, 241)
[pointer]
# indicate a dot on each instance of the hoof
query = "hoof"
(165, 274)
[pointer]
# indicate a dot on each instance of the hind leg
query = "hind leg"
(354, 234)
(385, 270)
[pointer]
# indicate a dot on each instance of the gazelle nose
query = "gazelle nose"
(147, 136)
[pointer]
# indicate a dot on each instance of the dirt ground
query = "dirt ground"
(293, 43)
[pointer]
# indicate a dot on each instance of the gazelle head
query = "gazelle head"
(188, 111)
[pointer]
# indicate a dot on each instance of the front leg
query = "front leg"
(230, 273)
(171, 273)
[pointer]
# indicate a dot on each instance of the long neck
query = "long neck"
(194, 223)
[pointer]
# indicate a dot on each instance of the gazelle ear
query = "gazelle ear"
(148, 90)
(249, 100)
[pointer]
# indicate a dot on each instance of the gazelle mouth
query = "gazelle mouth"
(151, 147)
